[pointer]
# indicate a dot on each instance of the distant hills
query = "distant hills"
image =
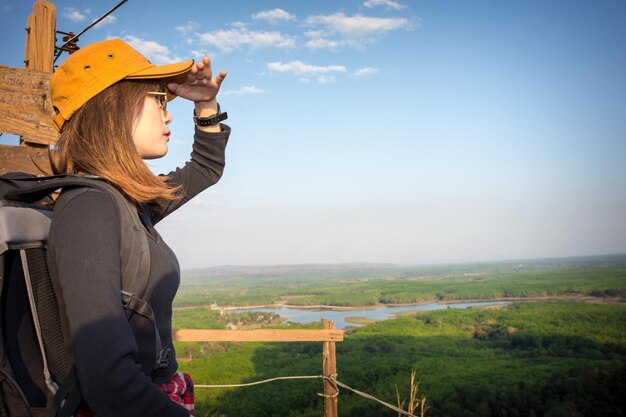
(347, 270)
(275, 271)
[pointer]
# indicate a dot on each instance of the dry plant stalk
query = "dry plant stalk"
(415, 401)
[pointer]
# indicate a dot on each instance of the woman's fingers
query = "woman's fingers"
(220, 77)
(204, 70)
(200, 85)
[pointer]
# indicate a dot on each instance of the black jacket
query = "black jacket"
(114, 356)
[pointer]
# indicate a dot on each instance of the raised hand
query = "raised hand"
(200, 84)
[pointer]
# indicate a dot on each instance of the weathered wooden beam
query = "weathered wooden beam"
(25, 159)
(40, 37)
(25, 105)
(262, 335)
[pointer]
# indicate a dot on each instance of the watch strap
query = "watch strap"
(211, 120)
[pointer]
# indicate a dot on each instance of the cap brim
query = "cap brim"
(162, 71)
(176, 73)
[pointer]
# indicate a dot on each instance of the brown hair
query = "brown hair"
(98, 140)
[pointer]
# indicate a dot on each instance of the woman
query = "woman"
(110, 105)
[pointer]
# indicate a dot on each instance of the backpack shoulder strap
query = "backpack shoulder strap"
(22, 224)
(135, 252)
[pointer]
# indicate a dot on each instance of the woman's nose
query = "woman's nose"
(168, 118)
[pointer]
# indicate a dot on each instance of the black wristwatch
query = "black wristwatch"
(211, 120)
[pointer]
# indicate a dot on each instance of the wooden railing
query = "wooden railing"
(329, 336)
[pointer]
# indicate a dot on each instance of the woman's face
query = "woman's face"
(150, 133)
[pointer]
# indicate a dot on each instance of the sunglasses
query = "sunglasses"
(161, 98)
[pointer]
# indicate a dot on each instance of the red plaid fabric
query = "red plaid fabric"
(179, 388)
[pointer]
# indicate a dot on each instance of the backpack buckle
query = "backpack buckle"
(163, 360)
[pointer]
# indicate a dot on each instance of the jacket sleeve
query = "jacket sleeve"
(204, 169)
(84, 255)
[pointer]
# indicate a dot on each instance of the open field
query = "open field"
(364, 285)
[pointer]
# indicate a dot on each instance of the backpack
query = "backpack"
(37, 375)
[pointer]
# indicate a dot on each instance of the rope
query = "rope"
(370, 397)
(335, 395)
(330, 378)
(259, 382)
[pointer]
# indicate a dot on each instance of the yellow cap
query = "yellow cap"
(95, 67)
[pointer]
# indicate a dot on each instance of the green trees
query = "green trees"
(533, 359)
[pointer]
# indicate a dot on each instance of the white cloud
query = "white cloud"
(389, 4)
(110, 19)
(73, 14)
(298, 67)
(157, 53)
(365, 71)
(326, 79)
(232, 39)
(198, 54)
(315, 33)
(274, 16)
(321, 43)
(318, 40)
(244, 90)
(189, 27)
(358, 27)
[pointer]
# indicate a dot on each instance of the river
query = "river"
(303, 315)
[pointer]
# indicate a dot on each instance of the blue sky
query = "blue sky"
(391, 131)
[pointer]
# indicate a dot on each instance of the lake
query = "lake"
(304, 315)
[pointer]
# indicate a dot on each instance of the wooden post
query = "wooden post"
(330, 370)
(40, 41)
(40, 37)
